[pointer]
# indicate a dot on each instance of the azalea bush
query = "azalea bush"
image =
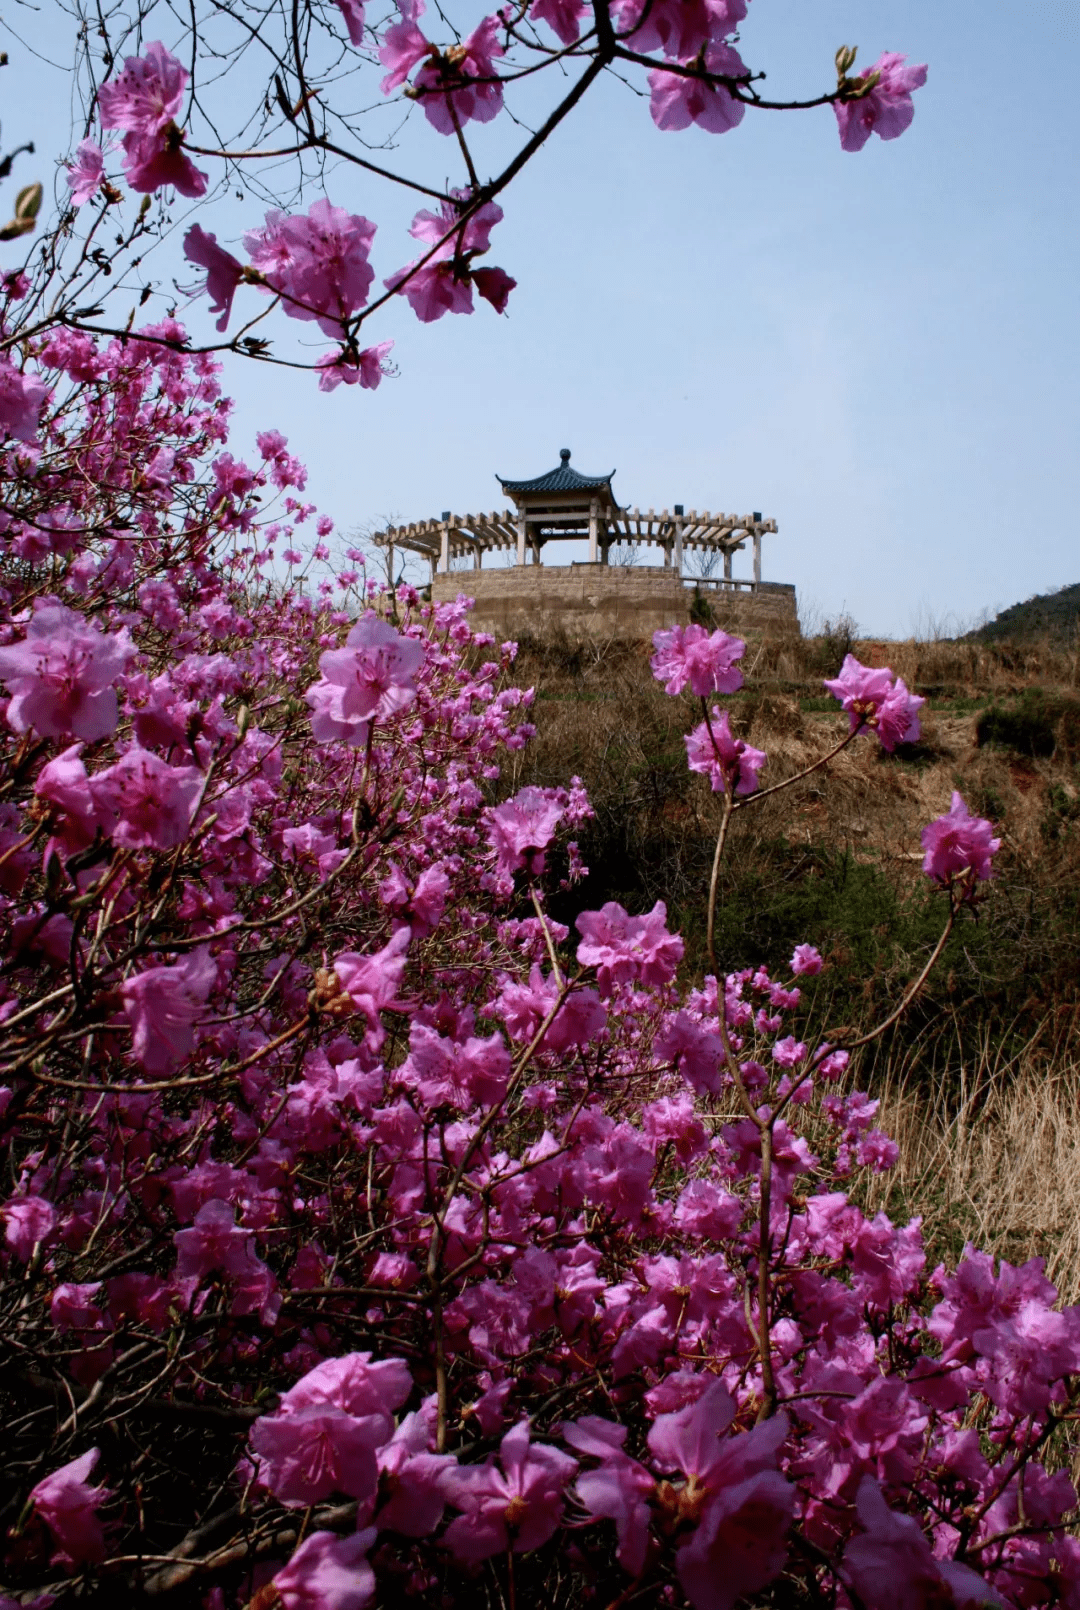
(368, 1235)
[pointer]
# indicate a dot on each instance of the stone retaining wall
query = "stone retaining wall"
(602, 601)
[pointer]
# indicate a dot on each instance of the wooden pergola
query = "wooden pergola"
(564, 506)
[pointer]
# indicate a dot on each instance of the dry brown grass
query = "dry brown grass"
(997, 1162)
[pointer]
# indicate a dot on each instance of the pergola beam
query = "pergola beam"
(473, 535)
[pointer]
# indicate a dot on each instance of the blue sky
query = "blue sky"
(879, 350)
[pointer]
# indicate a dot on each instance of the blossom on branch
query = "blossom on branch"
(680, 28)
(223, 272)
(516, 1507)
(365, 368)
(22, 397)
(352, 12)
(328, 1572)
(317, 262)
(144, 803)
(145, 101)
(562, 16)
(677, 100)
(704, 660)
(61, 675)
(371, 678)
(624, 948)
(460, 84)
(886, 110)
(959, 845)
(892, 1566)
(163, 1004)
(67, 1504)
(725, 760)
(879, 700)
(85, 174)
(522, 828)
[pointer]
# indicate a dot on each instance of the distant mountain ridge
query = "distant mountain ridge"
(1055, 614)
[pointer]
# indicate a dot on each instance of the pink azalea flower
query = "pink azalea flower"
(887, 111)
(413, 1478)
(64, 783)
(324, 1435)
(878, 699)
(67, 1504)
(214, 1241)
(705, 660)
(680, 28)
(562, 16)
(22, 398)
(404, 45)
(619, 1489)
(154, 162)
(145, 802)
(622, 947)
(328, 1572)
(676, 101)
(353, 13)
(745, 1505)
(722, 758)
(86, 172)
(465, 81)
(147, 96)
(892, 1567)
(444, 284)
(518, 1506)
(316, 1450)
(439, 287)
(145, 101)
(372, 982)
(475, 234)
(316, 262)
(959, 844)
(61, 675)
(521, 829)
(494, 285)
(163, 1006)
(371, 678)
(367, 369)
(806, 960)
(28, 1220)
(223, 272)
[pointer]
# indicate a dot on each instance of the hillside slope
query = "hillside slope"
(1054, 615)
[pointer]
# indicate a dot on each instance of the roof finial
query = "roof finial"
(564, 454)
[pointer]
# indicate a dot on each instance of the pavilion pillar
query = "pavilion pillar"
(727, 564)
(677, 554)
(444, 549)
(478, 557)
(594, 522)
(757, 557)
(521, 539)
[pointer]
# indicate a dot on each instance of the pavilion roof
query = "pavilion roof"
(562, 479)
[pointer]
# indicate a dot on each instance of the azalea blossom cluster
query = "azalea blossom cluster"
(368, 1235)
(166, 118)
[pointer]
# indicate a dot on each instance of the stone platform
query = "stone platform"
(596, 602)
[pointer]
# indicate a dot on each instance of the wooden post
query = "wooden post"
(444, 549)
(757, 558)
(478, 555)
(677, 555)
(727, 564)
(594, 512)
(521, 539)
